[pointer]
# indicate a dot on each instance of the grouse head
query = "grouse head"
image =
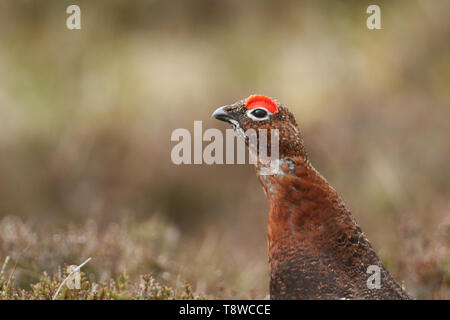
(261, 112)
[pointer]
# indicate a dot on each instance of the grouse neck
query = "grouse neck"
(300, 194)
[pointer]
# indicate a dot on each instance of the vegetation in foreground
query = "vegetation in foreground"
(148, 260)
(48, 288)
(22, 275)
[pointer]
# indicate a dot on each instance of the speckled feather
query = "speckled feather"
(316, 249)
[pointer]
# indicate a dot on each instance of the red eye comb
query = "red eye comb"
(256, 101)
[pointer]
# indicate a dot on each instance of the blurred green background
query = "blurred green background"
(86, 118)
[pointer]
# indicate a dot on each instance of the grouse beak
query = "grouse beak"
(222, 115)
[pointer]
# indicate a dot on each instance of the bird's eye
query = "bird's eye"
(259, 113)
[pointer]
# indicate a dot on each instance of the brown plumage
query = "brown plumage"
(316, 249)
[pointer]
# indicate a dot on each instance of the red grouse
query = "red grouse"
(316, 249)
